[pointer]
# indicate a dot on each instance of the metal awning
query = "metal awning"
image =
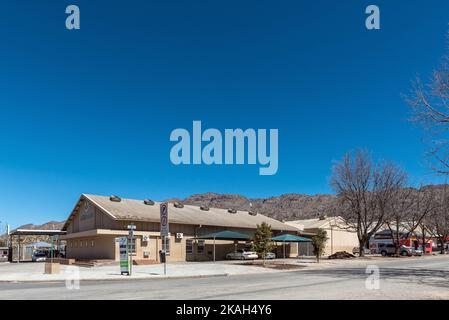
(36, 232)
(290, 238)
(226, 235)
(33, 232)
(41, 245)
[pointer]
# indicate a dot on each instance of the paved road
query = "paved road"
(415, 278)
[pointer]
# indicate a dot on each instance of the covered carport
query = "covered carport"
(289, 238)
(20, 234)
(224, 235)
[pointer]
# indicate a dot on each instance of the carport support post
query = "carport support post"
(51, 252)
(214, 248)
(18, 248)
(284, 249)
(165, 255)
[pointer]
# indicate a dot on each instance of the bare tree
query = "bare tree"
(400, 208)
(408, 209)
(430, 104)
(365, 191)
(438, 220)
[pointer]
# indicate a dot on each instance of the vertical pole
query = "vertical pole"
(165, 255)
(18, 251)
(131, 255)
(284, 249)
(52, 250)
(158, 256)
(332, 240)
(214, 248)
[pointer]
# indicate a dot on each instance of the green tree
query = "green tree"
(319, 243)
(262, 243)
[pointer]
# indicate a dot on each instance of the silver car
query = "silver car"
(270, 255)
(356, 250)
(39, 256)
(242, 254)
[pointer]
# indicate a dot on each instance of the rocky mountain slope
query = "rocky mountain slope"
(51, 225)
(285, 207)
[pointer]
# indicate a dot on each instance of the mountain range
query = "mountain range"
(290, 206)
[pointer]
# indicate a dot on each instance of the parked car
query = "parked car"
(410, 251)
(389, 249)
(242, 254)
(270, 255)
(39, 256)
(356, 250)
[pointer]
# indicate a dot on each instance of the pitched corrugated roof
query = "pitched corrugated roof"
(317, 223)
(129, 209)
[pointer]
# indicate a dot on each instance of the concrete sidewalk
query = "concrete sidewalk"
(24, 272)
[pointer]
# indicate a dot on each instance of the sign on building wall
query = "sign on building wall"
(124, 261)
(164, 220)
(87, 213)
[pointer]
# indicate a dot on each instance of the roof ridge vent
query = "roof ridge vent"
(178, 204)
(115, 198)
(232, 210)
(148, 202)
(205, 208)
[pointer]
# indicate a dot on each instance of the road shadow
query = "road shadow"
(436, 278)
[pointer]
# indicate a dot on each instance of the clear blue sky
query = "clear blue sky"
(91, 111)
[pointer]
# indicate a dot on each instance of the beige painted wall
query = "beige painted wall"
(99, 247)
(90, 217)
(342, 241)
(338, 240)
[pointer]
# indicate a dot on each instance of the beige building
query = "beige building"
(96, 222)
(340, 238)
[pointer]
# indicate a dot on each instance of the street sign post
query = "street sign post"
(164, 219)
(131, 245)
(164, 232)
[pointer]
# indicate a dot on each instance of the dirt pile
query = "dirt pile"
(341, 255)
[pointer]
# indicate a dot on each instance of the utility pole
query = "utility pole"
(165, 255)
(7, 234)
(131, 228)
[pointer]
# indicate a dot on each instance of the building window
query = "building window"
(201, 246)
(86, 244)
(92, 243)
(81, 243)
(76, 243)
(189, 246)
(166, 245)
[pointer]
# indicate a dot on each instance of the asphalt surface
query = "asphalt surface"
(401, 278)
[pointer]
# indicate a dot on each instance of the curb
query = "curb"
(121, 279)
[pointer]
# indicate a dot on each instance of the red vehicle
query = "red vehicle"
(384, 237)
(417, 244)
